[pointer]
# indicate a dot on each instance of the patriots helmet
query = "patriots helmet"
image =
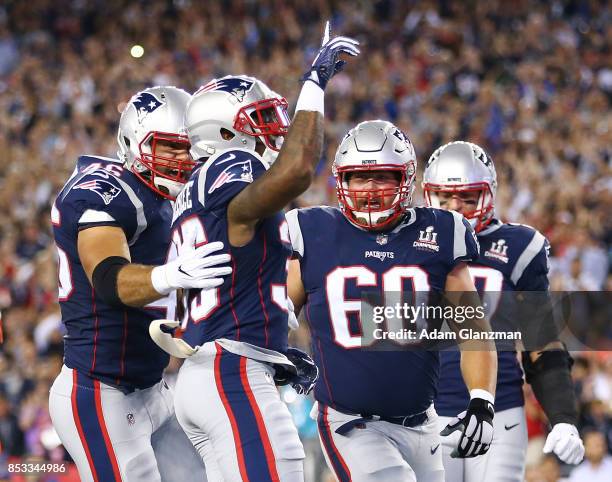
(376, 145)
(153, 115)
(462, 167)
(236, 111)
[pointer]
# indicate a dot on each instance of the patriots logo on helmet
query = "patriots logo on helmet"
(237, 172)
(145, 103)
(237, 86)
(106, 190)
(401, 136)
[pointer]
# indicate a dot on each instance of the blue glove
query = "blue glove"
(326, 64)
(307, 372)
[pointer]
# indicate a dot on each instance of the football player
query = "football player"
(225, 393)
(111, 223)
(376, 419)
(460, 176)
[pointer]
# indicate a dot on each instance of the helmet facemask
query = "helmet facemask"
(266, 119)
(165, 175)
(370, 208)
(479, 217)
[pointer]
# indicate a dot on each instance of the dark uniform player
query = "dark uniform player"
(375, 415)
(226, 395)
(112, 226)
(513, 257)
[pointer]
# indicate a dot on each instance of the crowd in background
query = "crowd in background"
(529, 81)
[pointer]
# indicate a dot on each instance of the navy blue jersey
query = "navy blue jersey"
(110, 344)
(251, 305)
(340, 263)
(513, 257)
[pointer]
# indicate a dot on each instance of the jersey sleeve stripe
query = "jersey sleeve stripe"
(140, 217)
(295, 232)
(93, 216)
(459, 247)
(533, 248)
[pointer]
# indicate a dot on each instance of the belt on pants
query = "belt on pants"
(407, 421)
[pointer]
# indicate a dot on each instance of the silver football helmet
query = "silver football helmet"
(152, 115)
(462, 167)
(236, 112)
(374, 146)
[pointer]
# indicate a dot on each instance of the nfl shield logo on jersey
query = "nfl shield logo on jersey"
(382, 239)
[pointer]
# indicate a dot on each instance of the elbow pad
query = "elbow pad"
(550, 379)
(104, 280)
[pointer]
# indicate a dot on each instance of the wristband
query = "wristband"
(484, 394)
(159, 280)
(311, 98)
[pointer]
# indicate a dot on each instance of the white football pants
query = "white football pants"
(108, 433)
(380, 451)
(231, 411)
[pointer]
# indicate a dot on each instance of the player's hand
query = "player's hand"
(476, 425)
(200, 268)
(161, 331)
(327, 64)
(305, 375)
(307, 371)
(564, 441)
(292, 321)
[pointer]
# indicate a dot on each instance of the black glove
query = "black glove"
(307, 372)
(476, 425)
(326, 64)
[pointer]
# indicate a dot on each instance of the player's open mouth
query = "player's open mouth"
(370, 205)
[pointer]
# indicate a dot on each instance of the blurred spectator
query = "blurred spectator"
(529, 80)
(11, 436)
(547, 471)
(597, 466)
